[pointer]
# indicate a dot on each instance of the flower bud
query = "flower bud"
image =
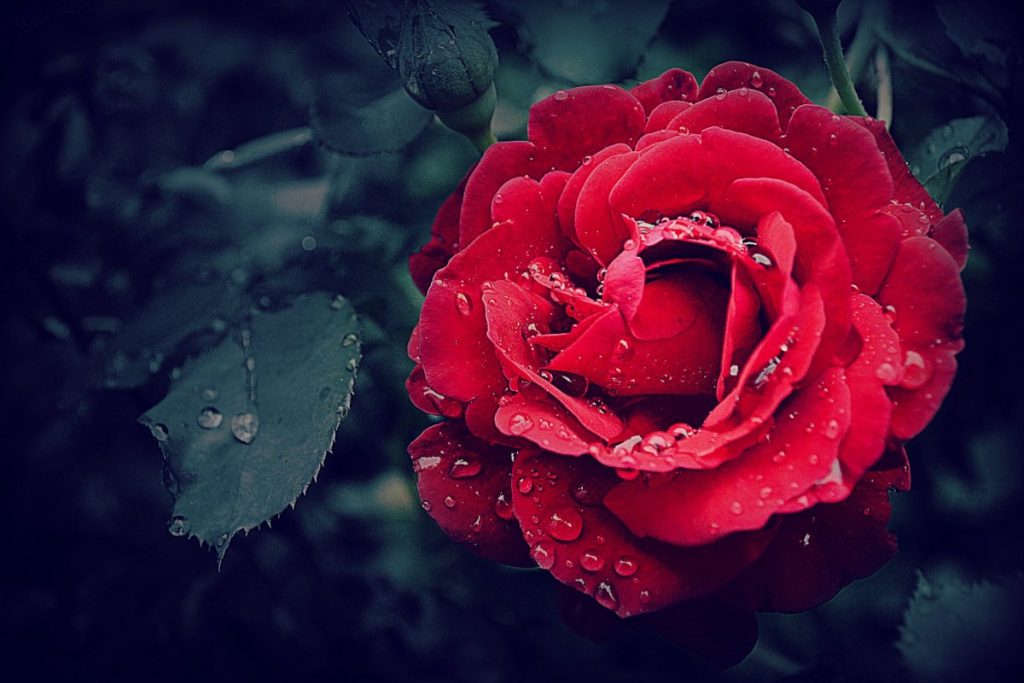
(446, 59)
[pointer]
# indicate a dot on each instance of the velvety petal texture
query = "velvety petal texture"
(677, 339)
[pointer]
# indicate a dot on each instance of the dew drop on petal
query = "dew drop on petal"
(520, 423)
(606, 596)
(886, 372)
(502, 507)
(565, 526)
(463, 468)
(591, 561)
(915, 370)
(463, 303)
(626, 566)
(543, 553)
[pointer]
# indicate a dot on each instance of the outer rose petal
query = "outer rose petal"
(698, 507)
(460, 481)
(735, 75)
(500, 163)
(585, 547)
(567, 201)
(674, 84)
(820, 551)
(857, 185)
(906, 188)
(748, 112)
(951, 233)
(444, 237)
(572, 124)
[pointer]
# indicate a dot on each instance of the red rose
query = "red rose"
(679, 337)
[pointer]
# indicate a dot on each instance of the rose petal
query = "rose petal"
(570, 196)
(500, 163)
(673, 85)
(508, 309)
(734, 75)
(572, 124)
(691, 171)
(743, 111)
(698, 507)
(925, 289)
(428, 400)
(906, 188)
(460, 481)
(951, 233)
(545, 423)
(857, 185)
(664, 113)
(444, 237)
(599, 229)
(818, 552)
(457, 358)
(585, 547)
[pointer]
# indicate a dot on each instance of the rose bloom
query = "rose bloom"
(678, 338)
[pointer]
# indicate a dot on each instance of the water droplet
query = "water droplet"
(179, 526)
(543, 553)
(525, 485)
(915, 370)
(565, 526)
(520, 423)
(572, 384)
(463, 304)
(502, 507)
(833, 140)
(585, 493)
(605, 595)
(209, 394)
(765, 492)
(477, 524)
(645, 597)
(756, 80)
(530, 331)
(209, 418)
(720, 94)
(626, 566)
(813, 458)
(561, 96)
(591, 561)
(463, 468)
(244, 426)
(426, 505)
(587, 160)
(159, 431)
(349, 339)
(629, 245)
(832, 429)
(337, 303)
(623, 350)
(449, 502)
(886, 372)
(498, 199)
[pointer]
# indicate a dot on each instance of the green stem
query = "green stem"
(828, 33)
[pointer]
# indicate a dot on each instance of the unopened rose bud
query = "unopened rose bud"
(446, 59)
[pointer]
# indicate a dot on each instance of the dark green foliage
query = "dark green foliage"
(246, 428)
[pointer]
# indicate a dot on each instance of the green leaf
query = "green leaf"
(948, 149)
(247, 426)
(387, 124)
(598, 42)
(956, 631)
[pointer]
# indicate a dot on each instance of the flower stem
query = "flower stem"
(828, 33)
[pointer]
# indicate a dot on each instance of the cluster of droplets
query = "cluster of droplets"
(554, 537)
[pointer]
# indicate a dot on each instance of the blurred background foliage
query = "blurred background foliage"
(161, 181)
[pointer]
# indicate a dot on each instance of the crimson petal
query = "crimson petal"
(462, 482)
